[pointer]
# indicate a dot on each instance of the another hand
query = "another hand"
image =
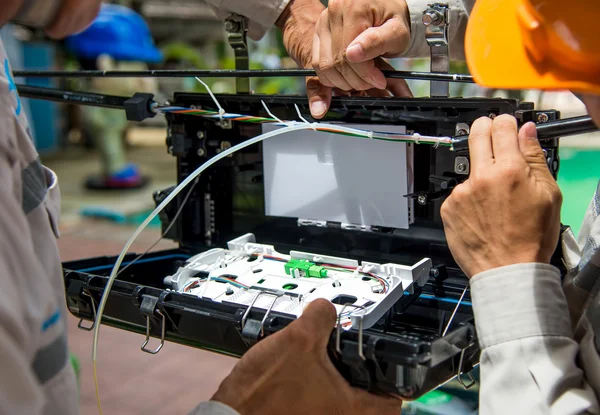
(290, 373)
(508, 211)
(73, 17)
(349, 39)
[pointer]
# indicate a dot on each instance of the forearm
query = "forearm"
(459, 16)
(529, 356)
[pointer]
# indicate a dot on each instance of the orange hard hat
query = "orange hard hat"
(538, 44)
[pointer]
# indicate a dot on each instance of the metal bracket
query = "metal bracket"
(251, 329)
(472, 380)
(237, 31)
(338, 334)
(148, 308)
(436, 20)
(462, 165)
(80, 324)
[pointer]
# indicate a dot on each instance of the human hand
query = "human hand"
(290, 372)
(592, 102)
(508, 210)
(73, 16)
(349, 39)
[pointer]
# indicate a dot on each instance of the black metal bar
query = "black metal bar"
(79, 98)
(551, 129)
(566, 127)
(230, 73)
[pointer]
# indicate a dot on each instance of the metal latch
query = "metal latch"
(237, 33)
(148, 310)
(436, 20)
(252, 330)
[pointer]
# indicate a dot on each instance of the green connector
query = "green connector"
(299, 268)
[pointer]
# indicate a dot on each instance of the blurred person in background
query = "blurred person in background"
(36, 377)
(119, 39)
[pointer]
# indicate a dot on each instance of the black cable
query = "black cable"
(230, 73)
(74, 97)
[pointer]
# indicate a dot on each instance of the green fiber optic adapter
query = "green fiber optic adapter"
(299, 268)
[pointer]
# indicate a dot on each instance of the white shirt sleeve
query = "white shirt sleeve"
(213, 408)
(261, 14)
(530, 363)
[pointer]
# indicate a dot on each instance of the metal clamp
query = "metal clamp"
(262, 323)
(436, 20)
(237, 31)
(80, 324)
(247, 312)
(469, 374)
(162, 334)
(338, 333)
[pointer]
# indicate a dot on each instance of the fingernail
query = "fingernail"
(379, 83)
(355, 52)
(318, 108)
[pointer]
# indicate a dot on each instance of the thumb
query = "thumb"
(389, 39)
(318, 320)
(319, 97)
(531, 150)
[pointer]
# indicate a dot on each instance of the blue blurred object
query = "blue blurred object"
(118, 32)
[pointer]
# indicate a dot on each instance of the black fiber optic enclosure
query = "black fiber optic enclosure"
(405, 353)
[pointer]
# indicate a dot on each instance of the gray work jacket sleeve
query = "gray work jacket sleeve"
(261, 14)
(213, 408)
(459, 16)
(530, 361)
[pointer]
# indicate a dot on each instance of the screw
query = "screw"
(492, 115)
(432, 17)
(545, 153)
(543, 117)
(435, 272)
(422, 199)
(200, 134)
(200, 152)
(231, 26)
(170, 150)
(461, 167)
(461, 132)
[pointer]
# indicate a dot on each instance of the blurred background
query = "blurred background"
(107, 188)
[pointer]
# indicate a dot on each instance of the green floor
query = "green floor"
(578, 177)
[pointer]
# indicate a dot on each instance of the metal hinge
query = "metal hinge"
(237, 33)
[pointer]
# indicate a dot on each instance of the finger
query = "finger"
(592, 102)
(317, 321)
(368, 403)
(341, 93)
(504, 138)
(73, 17)
(340, 23)
(326, 66)
(361, 75)
(532, 151)
(374, 92)
(367, 72)
(316, 53)
(398, 87)
(390, 39)
(319, 97)
(480, 144)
